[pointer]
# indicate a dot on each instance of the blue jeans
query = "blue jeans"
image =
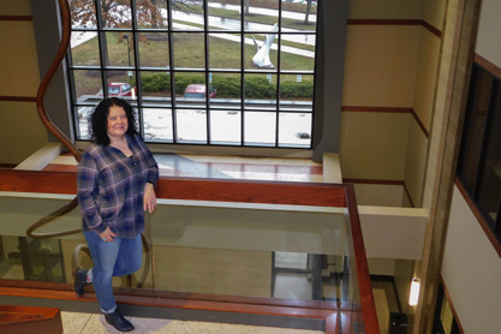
(118, 258)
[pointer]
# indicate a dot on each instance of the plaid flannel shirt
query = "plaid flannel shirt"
(111, 187)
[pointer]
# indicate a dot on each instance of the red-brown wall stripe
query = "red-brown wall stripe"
(15, 18)
(395, 22)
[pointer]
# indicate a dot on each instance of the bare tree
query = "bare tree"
(307, 14)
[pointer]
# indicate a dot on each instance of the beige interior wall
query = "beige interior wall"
(20, 125)
(373, 145)
(470, 270)
(21, 131)
(385, 9)
(380, 65)
(415, 165)
(18, 7)
(433, 12)
(427, 69)
(488, 42)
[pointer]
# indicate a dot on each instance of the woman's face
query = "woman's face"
(117, 123)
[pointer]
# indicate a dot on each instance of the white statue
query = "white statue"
(262, 57)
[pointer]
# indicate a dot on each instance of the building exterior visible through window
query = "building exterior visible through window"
(222, 72)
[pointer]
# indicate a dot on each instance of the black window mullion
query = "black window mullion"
(242, 74)
(277, 87)
(207, 77)
(171, 69)
(103, 52)
(485, 145)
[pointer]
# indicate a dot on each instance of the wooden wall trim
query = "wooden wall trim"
(396, 110)
(490, 67)
(18, 98)
(15, 18)
(397, 22)
(478, 215)
(451, 305)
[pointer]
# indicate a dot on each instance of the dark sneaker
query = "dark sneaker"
(80, 277)
(118, 321)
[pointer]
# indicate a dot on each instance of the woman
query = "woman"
(116, 179)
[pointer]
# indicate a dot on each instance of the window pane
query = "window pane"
(87, 84)
(260, 128)
(297, 53)
(190, 89)
(119, 46)
(154, 50)
(189, 51)
(116, 14)
(260, 91)
(121, 84)
(83, 120)
(85, 49)
(299, 15)
(294, 129)
(155, 87)
(225, 51)
(191, 126)
(157, 124)
(223, 16)
(260, 15)
(296, 92)
(490, 188)
(228, 90)
(225, 127)
(83, 14)
(262, 54)
(475, 126)
(187, 15)
(151, 14)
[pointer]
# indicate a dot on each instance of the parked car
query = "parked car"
(197, 91)
(118, 89)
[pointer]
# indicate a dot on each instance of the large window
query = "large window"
(218, 72)
(479, 166)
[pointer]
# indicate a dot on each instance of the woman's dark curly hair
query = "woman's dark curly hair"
(99, 120)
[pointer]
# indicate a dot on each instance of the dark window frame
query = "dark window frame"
(139, 104)
(475, 190)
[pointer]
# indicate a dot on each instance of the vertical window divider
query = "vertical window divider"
(135, 43)
(171, 70)
(242, 74)
(277, 88)
(207, 77)
(101, 35)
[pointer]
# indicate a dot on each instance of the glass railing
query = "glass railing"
(277, 244)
